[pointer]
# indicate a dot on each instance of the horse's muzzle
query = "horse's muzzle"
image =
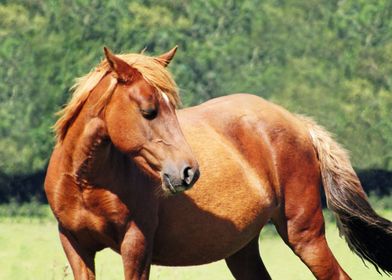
(181, 180)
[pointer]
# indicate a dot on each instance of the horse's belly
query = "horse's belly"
(189, 234)
(225, 210)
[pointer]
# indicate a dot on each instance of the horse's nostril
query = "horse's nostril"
(188, 174)
(181, 180)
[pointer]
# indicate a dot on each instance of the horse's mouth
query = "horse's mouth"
(167, 185)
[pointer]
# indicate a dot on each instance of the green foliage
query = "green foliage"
(33, 210)
(381, 204)
(331, 60)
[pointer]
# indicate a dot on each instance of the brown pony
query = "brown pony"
(121, 150)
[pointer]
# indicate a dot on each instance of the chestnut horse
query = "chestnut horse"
(122, 148)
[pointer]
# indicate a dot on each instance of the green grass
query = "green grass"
(30, 249)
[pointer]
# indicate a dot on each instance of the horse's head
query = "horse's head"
(141, 122)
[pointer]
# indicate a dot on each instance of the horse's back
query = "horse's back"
(235, 139)
(246, 119)
(258, 129)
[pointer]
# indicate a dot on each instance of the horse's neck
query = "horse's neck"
(94, 161)
(92, 154)
(89, 155)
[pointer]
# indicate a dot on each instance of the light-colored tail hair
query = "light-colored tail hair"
(367, 234)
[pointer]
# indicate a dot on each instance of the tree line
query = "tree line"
(331, 60)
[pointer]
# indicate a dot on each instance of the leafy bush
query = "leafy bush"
(32, 210)
(330, 60)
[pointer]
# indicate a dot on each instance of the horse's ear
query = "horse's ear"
(125, 72)
(165, 58)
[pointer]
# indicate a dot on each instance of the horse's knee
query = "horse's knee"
(317, 255)
(310, 245)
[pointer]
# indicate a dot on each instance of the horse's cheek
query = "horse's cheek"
(124, 131)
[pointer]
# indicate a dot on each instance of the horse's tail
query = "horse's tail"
(367, 234)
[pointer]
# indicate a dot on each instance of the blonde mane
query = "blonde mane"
(150, 68)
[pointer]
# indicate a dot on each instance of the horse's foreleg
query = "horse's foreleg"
(81, 260)
(136, 252)
(300, 223)
(247, 263)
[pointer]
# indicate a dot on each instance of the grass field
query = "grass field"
(30, 249)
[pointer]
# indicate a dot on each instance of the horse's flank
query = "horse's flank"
(150, 68)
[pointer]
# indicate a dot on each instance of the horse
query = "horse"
(171, 187)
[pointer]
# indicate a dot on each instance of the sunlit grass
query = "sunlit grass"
(30, 249)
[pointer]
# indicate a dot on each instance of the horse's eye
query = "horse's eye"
(149, 113)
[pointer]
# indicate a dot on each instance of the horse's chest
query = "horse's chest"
(96, 211)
